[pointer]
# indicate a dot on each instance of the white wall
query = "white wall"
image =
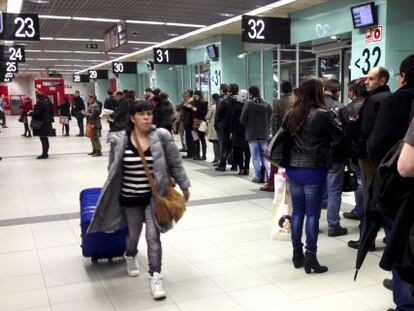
(22, 86)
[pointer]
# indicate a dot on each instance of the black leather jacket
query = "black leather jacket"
(311, 146)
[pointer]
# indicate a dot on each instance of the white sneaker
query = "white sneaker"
(132, 265)
(157, 290)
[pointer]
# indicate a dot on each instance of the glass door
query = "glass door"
(329, 65)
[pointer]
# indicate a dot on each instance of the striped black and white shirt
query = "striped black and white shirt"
(135, 190)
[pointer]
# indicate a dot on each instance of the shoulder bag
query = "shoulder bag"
(171, 206)
(276, 149)
(36, 124)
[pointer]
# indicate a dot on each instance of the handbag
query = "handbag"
(276, 149)
(281, 209)
(21, 119)
(203, 127)
(90, 130)
(350, 180)
(36, 124)
(171, 206)
(63, 120)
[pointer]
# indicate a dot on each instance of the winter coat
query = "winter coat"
(163, 113)
(201, 112)
(223, 114)
(186, 114)
(120, 116)
(92, 117)
(77, 107)
(211, 113)
(392, 122)
(43, 111)
(256, 116)
(110, 103)
(238, 130)
(280, 107)
(26, 107)
(64, 110)
(167, 162)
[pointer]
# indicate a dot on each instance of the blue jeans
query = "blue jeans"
(402, 292)
(306, 201)
(359, 194)
(257, 149)
(334, 183)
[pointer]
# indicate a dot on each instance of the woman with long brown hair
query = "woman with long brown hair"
(312, 129)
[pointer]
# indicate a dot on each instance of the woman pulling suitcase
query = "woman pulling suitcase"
(127, 196)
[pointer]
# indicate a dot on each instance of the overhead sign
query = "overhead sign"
(5, 80)
(12, 54)
(98, 74)
(22, 27)
(265, 29)
(9, 67)
(115, 37)
(77, 78)
(170, 56)
(92, 46)
(124, 67)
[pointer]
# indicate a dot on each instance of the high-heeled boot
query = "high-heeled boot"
(311, 263)
(298, 258)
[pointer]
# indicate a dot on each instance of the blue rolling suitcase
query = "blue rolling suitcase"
(100, 244)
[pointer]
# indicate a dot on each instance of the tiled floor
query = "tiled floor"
(219, 257)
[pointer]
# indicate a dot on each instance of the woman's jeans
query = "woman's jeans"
(306, 202)
(135, 217)
(257, 149)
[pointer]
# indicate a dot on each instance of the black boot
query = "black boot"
(93, 152)
(311, 263)
(298, 258)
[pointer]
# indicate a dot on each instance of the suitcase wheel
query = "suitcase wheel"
(94, 260)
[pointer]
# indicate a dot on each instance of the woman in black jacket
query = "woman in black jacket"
(64, 116)
(312, 130)
(200, 108)
(42, 118)
(163, 112)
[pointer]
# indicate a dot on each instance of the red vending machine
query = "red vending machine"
(52, 88)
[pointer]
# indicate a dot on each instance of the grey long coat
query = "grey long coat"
(167, 161)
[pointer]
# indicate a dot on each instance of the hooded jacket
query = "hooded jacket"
(256, 116)
(167, 163)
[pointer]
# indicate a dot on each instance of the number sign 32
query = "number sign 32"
(369, 59)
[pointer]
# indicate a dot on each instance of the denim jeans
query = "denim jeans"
(334, 183)
(359, 194)
(306, 201)
(257, 149)
(402, 292)
(135, 217)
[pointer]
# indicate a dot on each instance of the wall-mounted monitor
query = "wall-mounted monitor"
(364, 15)
(212, 51)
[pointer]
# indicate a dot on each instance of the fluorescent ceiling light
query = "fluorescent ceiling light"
(128, 21)
(195, 32)
(142, 42)
(46, 38)
(57, 51)
(54, 17)
(97, 40)
(185, 25)
(72, 39)
(93, 19)
(87, 52)
(14, 6)
(48, 59)
(116, 53)
(33, 51)
(63, 65)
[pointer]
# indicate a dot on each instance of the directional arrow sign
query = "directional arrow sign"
(357, 63)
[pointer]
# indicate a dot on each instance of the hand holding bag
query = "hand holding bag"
(171, 206)
(281, 209)
(350, 180)
(90, 130)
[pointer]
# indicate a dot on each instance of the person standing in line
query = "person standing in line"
(163, 112)
(110, 101)
(256, 116)
(311, 130)
(127, 196)
(78, 111)
(280, 107)
(200, 110)
(93, 119)
(42, 115)
(185, 98)
(64, 116)
(2, 112)
(187, 116)
(222, 126)
(241, 151)
(378, 92)
(335, 178)
(25, 108)
(211, 133)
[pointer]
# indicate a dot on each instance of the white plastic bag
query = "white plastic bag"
(281, 209)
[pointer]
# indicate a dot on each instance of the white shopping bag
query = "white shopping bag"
(281, 209)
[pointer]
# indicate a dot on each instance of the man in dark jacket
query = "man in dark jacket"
(391, 125)
(78, 111)
(256, 116)
(335, 179)
(378, 89)
(110, 101)
(280, 107)
(222, 126)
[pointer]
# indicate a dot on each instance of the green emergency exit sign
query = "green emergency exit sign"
(92, 46)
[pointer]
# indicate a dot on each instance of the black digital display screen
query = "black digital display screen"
(23, 27)
(364, 15)
(272, 30)
(170, 56)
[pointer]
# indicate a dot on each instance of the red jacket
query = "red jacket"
(26, 107)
